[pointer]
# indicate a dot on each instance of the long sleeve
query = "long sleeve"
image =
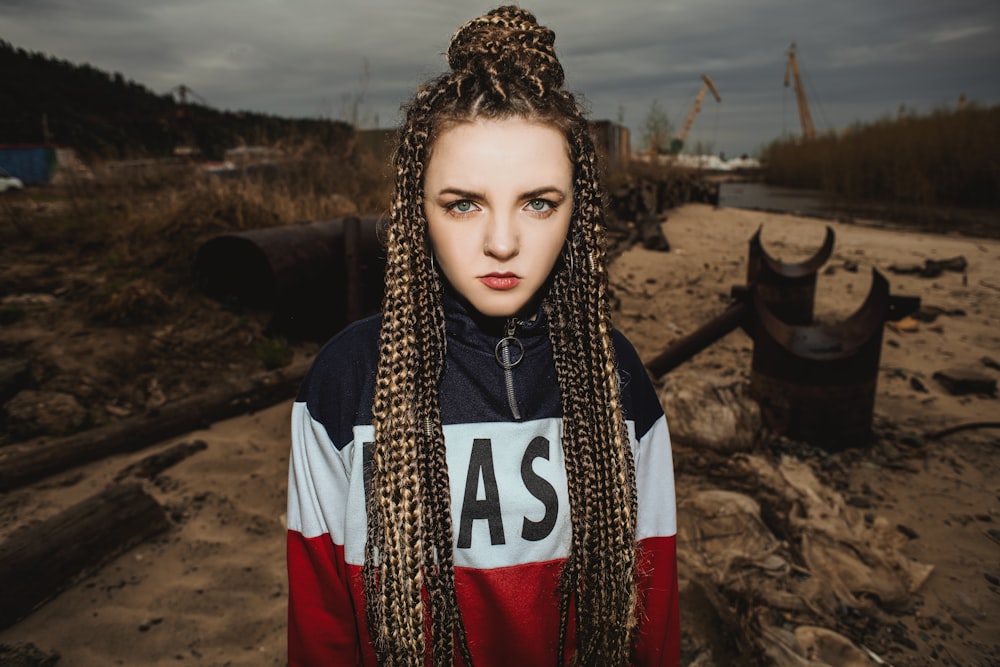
(322, 625)
(658, 639)
(509, 503)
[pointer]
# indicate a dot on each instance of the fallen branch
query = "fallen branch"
(937, 435)
(154, 464)
(985, 283)
(28, 462)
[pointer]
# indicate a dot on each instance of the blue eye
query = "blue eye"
(462, 206)
(540, 206)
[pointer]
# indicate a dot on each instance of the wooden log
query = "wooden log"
(154, 464)
(28, 462)
(40, 560)
(961, 381)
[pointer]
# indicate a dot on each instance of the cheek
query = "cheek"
(448, 244)
(550, 241)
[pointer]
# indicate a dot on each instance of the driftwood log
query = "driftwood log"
(28, 462)
(154, 464)
(40, 560)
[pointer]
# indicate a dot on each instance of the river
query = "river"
(760, 196)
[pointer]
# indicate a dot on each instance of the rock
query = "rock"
(31, 413)
(709, 413)
(958, 381)
(26, 655)
(936, 266)
(931, 268)
(13, 377)
(930, 313)
(155, 395)
(990, 362)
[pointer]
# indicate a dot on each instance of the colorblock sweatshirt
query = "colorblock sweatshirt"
(509, 498)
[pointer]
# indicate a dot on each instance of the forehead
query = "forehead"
(513, 147)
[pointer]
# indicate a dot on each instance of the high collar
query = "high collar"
(464, 322)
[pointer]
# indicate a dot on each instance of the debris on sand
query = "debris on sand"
(801, 561)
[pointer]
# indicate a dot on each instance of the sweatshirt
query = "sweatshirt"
(509, 499)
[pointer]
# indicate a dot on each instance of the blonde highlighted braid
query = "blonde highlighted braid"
(503, 65)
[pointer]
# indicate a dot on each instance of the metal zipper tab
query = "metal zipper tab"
(509, 352)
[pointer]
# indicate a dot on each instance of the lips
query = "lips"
(500, 281)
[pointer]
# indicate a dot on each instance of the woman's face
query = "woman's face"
(498, 199)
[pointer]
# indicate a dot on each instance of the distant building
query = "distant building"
(42, 164)
(246, 156)
(33, 164)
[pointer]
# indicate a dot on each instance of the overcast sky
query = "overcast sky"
(860, 59)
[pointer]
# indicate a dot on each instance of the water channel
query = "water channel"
(760, 196)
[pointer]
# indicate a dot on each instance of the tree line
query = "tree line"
(102, 115)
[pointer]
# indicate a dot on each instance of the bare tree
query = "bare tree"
(352, 103)
(656, 129)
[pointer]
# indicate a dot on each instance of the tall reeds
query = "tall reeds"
(947, 159)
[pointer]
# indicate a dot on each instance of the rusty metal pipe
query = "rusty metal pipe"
(686, 347)
(314, 277)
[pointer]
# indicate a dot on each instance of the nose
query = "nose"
(502, 238)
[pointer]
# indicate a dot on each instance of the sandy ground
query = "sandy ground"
(211, 591)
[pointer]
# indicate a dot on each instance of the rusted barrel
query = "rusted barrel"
(314, 277)
(817, 383)
(788, 288)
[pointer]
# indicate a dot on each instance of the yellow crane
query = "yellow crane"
(792, 68)
(707, 85)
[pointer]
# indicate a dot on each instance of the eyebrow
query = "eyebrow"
(531, 194)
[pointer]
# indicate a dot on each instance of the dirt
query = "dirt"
(211, 590)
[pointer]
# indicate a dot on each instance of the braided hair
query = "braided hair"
(502, 65)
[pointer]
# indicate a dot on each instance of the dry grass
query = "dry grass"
(118, 248)
(151, 216)
(96, 286)
(913, 167)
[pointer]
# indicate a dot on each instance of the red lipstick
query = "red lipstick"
(500, 281)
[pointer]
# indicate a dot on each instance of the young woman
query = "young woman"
(482, 474)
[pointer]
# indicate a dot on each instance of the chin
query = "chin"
(499, 307)
(497, 311)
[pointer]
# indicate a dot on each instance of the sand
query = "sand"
(212, 591)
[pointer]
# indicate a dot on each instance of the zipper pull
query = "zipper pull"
(502, 351)
(507, 361)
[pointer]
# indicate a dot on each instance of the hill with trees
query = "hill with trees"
(47, 100)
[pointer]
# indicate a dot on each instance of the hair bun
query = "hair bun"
(507, 38)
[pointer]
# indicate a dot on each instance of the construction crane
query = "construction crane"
(792, 67)
(677, 143)
(184, 119)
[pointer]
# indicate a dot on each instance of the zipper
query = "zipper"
(509, 352)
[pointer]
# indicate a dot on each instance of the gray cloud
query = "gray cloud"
(861, 59)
